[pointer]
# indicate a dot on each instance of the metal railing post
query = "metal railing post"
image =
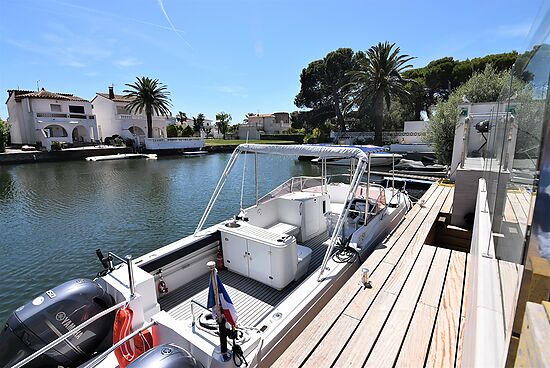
(131, 281)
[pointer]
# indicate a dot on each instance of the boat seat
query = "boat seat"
(304, 257)
(336, 207)
(284, 228)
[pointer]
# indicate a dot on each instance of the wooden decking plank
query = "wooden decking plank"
(421, 230)
(448, 204)
(518, 209)
(387, 347)
(409, 241)
(365, 335)
(303, 346)
(356, 351)
(510, 279)
(460, 340)
(509, 214)
(417, 339)
(444, 339)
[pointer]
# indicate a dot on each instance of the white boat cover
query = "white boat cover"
(307, 150)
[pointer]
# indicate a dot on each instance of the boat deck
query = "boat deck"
(252, 299)
(414, 312)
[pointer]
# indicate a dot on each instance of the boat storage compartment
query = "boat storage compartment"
(263, 255)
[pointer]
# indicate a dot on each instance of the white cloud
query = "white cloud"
(126, 63)
(513, 30)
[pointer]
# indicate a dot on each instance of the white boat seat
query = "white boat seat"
(304, 257)
(336, 207)
(284, 228)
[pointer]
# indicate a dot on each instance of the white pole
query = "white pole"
(218, 189)
(256, 174)
(340, 222)
(244, 172)
(368, 191)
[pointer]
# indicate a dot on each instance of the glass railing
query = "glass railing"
(509, 141)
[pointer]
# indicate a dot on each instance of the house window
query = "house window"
(55, 107)
(121, 110)
(76, 109)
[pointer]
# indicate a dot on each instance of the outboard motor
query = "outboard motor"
(52, 314)
(166, 356)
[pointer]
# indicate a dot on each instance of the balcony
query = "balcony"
(59, 117)
(168, 120)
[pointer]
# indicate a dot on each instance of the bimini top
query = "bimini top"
(326, 151)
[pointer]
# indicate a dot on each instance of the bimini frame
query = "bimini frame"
(361, 155)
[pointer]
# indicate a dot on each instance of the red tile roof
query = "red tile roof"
(20, 94)
(118, 98)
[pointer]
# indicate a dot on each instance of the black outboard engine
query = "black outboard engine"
(166, 356)
(52, 314)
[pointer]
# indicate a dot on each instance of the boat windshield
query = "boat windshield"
(312, 184)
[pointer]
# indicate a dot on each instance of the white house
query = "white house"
(39, 118)
(209, 125)
(255, 125)
(114, 119)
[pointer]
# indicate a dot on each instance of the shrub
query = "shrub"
(56, 146)
(172, 131)
(4, 132)
(118, 141)
(187, 132)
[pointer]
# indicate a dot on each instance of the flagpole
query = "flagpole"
(219, 315)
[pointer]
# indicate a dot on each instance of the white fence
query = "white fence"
(173, 143)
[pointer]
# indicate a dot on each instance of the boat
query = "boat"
(378, 157)
(279, 259)
(123, 156)
(194, 153)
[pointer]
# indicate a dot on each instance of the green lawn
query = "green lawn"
(235, 142)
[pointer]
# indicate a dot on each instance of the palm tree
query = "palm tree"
(222, 122)
(149, 95)
(378, 79)
(181, 117)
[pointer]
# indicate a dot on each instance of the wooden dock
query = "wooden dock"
(412, 315)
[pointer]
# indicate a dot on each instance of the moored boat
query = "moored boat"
(277, 258)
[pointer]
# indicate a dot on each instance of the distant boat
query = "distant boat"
(194, 153)
(377, 158)
(122, 156)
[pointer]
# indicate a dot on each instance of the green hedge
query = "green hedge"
(298, 138)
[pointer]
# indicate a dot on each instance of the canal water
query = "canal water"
(53, 216)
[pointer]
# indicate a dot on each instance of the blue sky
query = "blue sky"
(234, 56)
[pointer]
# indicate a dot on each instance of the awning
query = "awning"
(307, 150)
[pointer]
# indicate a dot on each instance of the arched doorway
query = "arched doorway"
(135, 130)
(55, 130)
(80, 134)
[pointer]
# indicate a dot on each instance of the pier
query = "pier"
(413, 313)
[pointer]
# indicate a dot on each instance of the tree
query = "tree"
(325, 86)
(198, 122)
(181, 117)
(187, 131)
(222, 122)
(485, 86)
(377, 80)
(4, 133)
(149, 95)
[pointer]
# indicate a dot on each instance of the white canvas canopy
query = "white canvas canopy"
(325, 151)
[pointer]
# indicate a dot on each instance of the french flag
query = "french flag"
(228, 310)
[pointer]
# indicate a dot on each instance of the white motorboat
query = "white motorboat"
(278, 259)
(123, 156)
